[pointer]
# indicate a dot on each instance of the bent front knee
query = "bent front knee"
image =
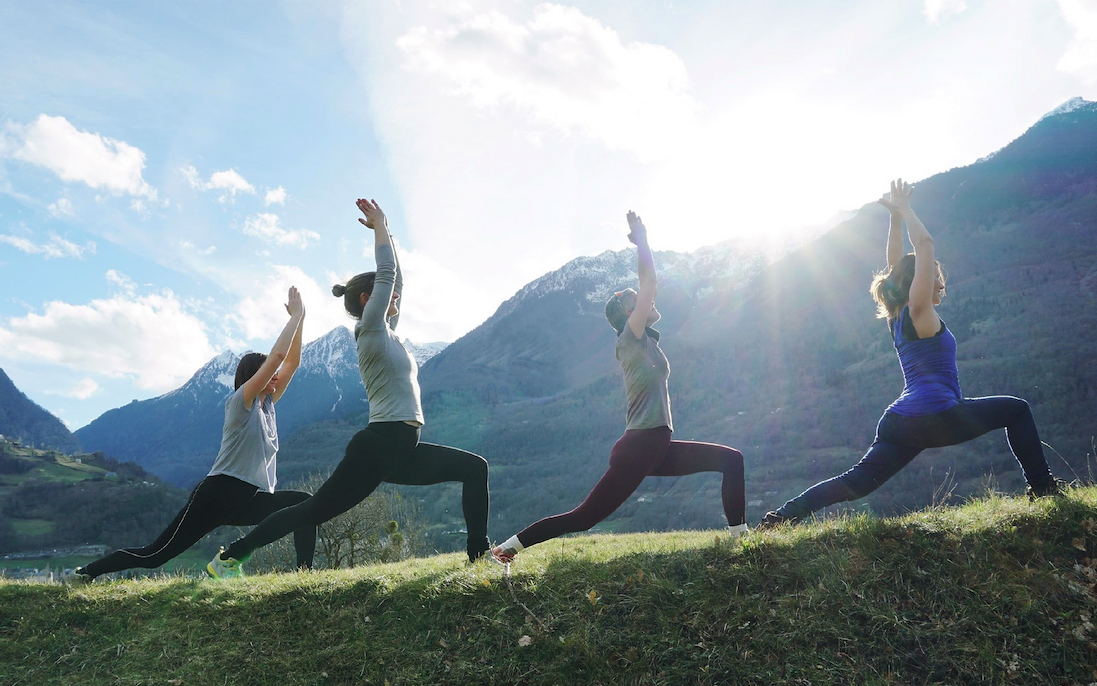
(732, 461)
(1022, 408)
(477, 469)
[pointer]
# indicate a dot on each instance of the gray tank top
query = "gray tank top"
(249, 442)
(646, 372)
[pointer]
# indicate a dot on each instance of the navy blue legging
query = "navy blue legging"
(383, 452)
(899, 439)
(637, 454)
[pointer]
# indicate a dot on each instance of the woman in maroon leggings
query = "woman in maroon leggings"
(646, 448)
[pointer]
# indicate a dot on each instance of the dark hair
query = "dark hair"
(352, 291)
(616, 314)
(249, 364)
(891, 287)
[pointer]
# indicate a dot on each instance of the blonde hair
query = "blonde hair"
(891, 287)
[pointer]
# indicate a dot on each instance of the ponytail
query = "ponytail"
(891, 287)
(351, 293)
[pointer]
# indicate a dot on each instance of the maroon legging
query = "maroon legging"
(640, 453)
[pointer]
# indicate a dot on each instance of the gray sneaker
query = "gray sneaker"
(773, 519)
(224, 567)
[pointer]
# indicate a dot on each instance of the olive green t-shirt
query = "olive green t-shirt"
(646, 372)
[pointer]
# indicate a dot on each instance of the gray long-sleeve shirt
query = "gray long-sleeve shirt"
(388, 370)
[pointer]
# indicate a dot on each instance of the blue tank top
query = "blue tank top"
(932, 383)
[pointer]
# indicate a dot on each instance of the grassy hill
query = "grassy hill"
(998, 591)
(50, 499)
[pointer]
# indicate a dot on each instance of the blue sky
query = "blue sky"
(168, 170)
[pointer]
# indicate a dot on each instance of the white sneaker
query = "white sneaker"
(503, 556)
(224, 567)
(738, 530)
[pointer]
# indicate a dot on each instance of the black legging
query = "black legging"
(899, 439)
(383, 452)
(638, 454)
(216, 501)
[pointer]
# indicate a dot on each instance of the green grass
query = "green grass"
(31, 527)
(49, 467)
(998, 591)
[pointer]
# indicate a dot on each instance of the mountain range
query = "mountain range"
(789, 362)
(778, 355)
(26, 421)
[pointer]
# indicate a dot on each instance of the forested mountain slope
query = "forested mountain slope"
(23, 419)
(791, 365)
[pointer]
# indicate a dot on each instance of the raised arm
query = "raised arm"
(293, 357)
(398, 285)
(384, 284)
(895, 229)
(645, 299)
(924, 286)
(278, 354)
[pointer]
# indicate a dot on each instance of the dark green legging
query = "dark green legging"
(387, 452)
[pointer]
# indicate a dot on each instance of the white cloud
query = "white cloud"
(534, 175)
(187, 245)
(121, 280)
(1080, 58)
(426, 314)
(563, 69)
(54, 247)
(61, 208)
(148, 338)
(938, 10)
(275, 195)
(140, 208)
(228, 181)
(480, 141)
(191, 175)
(262, 314)
(84, 389)
(98, 161)
(267, 226)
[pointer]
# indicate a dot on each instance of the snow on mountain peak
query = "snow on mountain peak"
(611, 270)
(1072, 105)
(424, 351)
(331, 353)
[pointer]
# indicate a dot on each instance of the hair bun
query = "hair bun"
(338, 290)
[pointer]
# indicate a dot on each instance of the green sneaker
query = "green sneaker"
(225, 567)
(77, 577)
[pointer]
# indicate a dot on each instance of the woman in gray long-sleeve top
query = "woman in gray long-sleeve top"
(388, 449)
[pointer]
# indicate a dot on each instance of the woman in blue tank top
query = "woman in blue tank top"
(931, 412)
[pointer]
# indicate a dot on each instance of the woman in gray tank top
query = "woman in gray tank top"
(239, 489)
(388, 449)
(646, 449)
